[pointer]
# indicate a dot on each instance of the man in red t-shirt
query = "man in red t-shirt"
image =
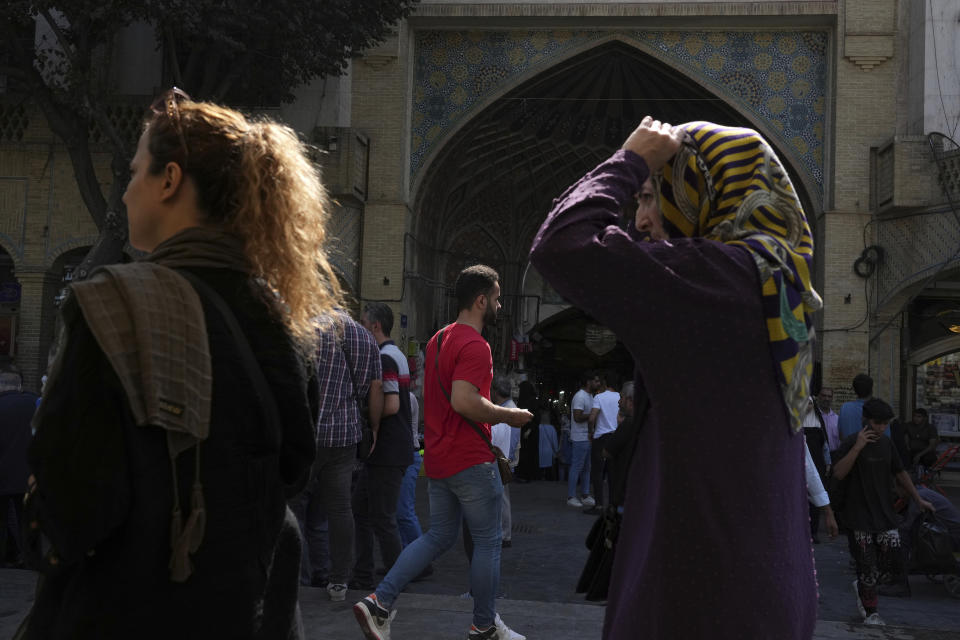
(464, 481)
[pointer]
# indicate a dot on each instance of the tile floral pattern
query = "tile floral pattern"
(778, 77)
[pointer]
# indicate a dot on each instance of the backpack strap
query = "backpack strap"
(185, 540)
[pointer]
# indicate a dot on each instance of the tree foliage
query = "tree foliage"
(252, 52)
(267, 47)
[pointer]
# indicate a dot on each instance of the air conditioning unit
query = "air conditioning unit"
(345, 158)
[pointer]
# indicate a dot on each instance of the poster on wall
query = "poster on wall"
(945, 422)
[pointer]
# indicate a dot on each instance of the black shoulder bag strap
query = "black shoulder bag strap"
(823, 423)
(188, 539)
(353, 379)
(363, 408)
(496, 452)
(250, 363)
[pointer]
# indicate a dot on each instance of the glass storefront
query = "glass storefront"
(938, 391)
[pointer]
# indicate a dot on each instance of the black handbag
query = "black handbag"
(602, 540)
(503, 464)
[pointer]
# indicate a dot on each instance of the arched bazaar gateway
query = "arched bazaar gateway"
(479, 114)
(499, 121)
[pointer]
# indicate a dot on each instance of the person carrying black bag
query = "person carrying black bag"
(602, 540)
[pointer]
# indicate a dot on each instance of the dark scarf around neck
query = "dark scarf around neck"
(203, 248)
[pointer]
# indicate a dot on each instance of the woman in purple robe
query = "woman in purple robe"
(711, 293)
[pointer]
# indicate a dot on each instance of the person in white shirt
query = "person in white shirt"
(601, 423)
(817, 495)
(501, 436)
(580, 409)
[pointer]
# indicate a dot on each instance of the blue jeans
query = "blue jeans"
(579, 470)
(474, 494)
(407, 521)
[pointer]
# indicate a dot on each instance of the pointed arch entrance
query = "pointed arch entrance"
(503, 168)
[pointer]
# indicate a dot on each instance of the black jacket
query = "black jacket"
(105, 492)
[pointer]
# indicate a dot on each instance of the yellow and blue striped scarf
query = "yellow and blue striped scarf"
(727, 184)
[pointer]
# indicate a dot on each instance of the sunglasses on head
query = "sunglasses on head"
(167, 105)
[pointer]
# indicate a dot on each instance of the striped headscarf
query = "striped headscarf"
(727, 184)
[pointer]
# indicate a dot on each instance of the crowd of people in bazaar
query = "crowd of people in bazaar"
(212, 409)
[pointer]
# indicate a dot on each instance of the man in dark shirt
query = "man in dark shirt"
(922, 439)
(866, 461)
(378, 485)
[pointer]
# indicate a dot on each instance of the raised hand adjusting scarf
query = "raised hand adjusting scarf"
(728, 185)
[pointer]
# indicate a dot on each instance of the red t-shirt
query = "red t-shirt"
(450, 444)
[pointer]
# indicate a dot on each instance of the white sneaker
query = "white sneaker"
(856, 592)
(337, 592)
(506, 633)
(874, 619)
(574, 502)
(588, 501)
(374, 620)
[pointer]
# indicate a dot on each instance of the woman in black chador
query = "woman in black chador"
(529, 465)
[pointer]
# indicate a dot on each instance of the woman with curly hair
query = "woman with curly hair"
(177, 420)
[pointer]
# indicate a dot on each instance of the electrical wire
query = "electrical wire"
(866, 288)
(866, 314)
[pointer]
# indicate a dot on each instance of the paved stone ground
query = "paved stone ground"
(538, 576)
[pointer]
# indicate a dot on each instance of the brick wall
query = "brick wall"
(41, 217)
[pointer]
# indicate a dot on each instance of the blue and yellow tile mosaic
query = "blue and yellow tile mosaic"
(778, 77)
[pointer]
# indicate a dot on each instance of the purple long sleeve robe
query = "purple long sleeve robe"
(716, 540)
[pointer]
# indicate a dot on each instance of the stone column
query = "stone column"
(846, 327)
(865, 95)
(380, 85)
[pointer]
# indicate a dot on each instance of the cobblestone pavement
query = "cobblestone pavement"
(538, 574)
